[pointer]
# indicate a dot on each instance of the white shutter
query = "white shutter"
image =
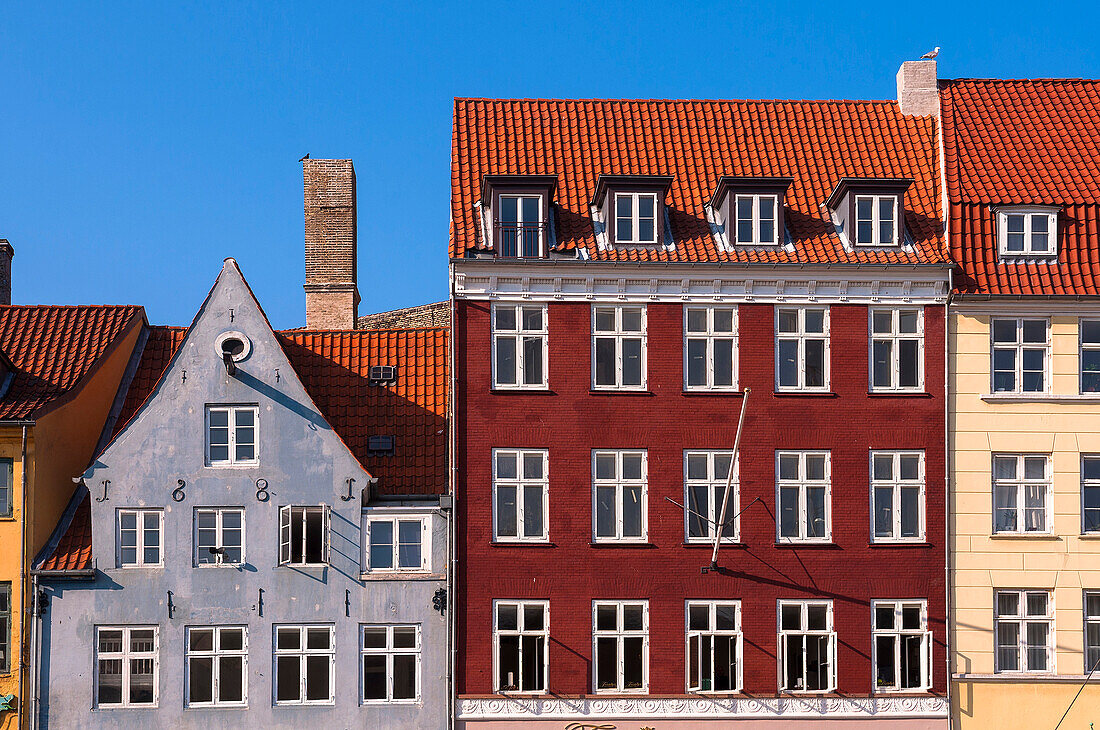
(284, 535)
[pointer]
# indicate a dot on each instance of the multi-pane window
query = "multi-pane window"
(217, 665)
(305, 658)
(897, 488)
(1090, 493)
(303, 535)
(876, 220)
(1092, 631)
(1023, 627)
(710, 348)
(807, 646)
(897, 349)
(397, 544)
(1021, 349)
(126, 666)
(803, 495)
(390, 660)
(219, 536)
(620, 642)
(521, 632)
(1026, 233)
(903, 646)
(5, 628)
(231, 435)
(1021, 493)
(1090, 356)
(140, 538)
(619, 495)
(706, 474)
(756, 219)
(618, 347)
(5, 487)
(802, 348)
(519, 226)
(519, 346)
(714, 646)
(636, 218)
(520, 494)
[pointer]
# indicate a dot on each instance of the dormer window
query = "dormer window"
(636, 218)
(519, 214)
(750, 210)
(1027, 231)
(876, 220)
(869, 211)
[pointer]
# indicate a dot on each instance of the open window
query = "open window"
(869, 211)
(303, 535)
(750, 210)
(519, 209)
(632, 208)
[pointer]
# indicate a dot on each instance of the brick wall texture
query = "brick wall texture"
(436, 314)
(570, 421)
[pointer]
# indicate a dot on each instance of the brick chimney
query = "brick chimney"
(918, 95)
(332, 294)
(7, 252)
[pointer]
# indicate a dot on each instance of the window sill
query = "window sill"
(523, 543)
(716, 391)
(620, 391)
(808, 544)
(898, 394)
(1089, 536)
(710, 545)
(542, 390)
(1040, 397)
(1024, 536)
(401, 575)
(622, 544)
(1019, 677)
(804, 394)
(900, 544)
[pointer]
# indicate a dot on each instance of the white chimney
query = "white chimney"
(918, 94)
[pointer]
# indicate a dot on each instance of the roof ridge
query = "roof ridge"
(1036, 80)
(596, 100)
(70, 306)
(293, 332)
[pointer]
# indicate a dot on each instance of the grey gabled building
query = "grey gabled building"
(263, 541)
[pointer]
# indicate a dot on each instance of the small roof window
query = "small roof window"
(870, 211)
(1027, 231)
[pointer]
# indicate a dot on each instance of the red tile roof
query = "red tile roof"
(73, 548)
(160, 345)
(697, 142)
(1020, 143)
(53, 348)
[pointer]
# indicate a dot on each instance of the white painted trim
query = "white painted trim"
(831, 707)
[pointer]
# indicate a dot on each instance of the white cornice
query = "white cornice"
(686, 708)
(579, 281)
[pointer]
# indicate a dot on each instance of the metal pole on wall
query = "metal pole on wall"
(719, 522)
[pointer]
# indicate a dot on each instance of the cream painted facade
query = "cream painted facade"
(1063, 424)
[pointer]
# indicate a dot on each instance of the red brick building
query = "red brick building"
(625, 274)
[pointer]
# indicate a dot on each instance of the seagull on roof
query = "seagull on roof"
(306, 155)
(933, 53)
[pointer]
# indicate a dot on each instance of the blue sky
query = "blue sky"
(141, 145)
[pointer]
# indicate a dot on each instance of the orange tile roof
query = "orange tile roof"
(697, 142)
(160, 345)
(1020, 143)
(53, 348)
(70, 547)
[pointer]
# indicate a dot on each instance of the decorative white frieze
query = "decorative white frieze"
(516, 708)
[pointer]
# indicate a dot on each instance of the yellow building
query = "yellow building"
(1024, 402)
(60, 371)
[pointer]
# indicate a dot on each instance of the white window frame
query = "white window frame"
(829, 632)
(876, 221)
(232, 410)
(710, 336)
(390, 652)
(895, 337)
(521, 483)
(1087, 483)
(370, 519)
(896, 484)
(219, 529)
(898, 633)
(714, 633)
(1082, 348)
(619, 634)
(802, 484)
(518, 224)
(140, 549)
(619, 335)
(1087, 620)
(126, 656)
(5, 627)
(1018, 347)
(620, 483)
(1020, 483)
(1021, 619)
(756, 219)
(519, 336)
(521, 631)
(302, 652)
(716, 486)
(801, 337)
(214, 655)
(1029, 213)
(286, 534)
(635, 219)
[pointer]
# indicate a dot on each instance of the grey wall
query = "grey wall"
(304, 463)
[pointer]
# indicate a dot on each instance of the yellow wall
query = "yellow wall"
(1062, 561)
(60, 446)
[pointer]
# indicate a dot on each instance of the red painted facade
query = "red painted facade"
(570, 420)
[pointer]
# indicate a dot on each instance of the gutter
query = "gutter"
(452, 524)
(72, 574)
(23, 565)
(702, 264)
